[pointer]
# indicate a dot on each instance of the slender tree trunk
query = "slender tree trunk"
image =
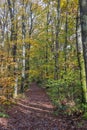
(11, 6)
(47, 27)
(56, 69)
(23, 49)
(3, 26)
(30, 35)
(83, 16)
(79, 55)
(28, 46)
(66, 31)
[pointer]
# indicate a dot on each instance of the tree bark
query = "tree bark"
(23, 49)
(11, 6)
(56, 69)
(79, 56)
(83, 17)
(66, 32)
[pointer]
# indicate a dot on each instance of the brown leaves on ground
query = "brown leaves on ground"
(35, 112)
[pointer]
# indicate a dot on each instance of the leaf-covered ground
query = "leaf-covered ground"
(35, 112)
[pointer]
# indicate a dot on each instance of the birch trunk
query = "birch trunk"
(23, 49)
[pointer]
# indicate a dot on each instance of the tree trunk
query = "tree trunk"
(66, 31)
(83, 16)
(47, 27)
(11, 6)
(23, 49)
(79, 57)
(56, 69)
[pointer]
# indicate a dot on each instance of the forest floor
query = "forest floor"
(36, 112)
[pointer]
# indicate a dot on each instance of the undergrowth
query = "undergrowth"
(3, 113)
(65, 95)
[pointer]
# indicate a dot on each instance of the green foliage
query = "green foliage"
(64, 88)
(65, 93)
(84, 106)
(85, 116)
(3, 115)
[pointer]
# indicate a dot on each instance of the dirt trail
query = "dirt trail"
(35, 112)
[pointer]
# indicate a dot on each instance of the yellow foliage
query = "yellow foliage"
(63, 4)
(2, 99)
(34, 72)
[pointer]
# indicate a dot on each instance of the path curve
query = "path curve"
(35, 112)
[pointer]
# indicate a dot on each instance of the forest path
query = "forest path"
(35, 112)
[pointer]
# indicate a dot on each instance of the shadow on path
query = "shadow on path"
(35, 112)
